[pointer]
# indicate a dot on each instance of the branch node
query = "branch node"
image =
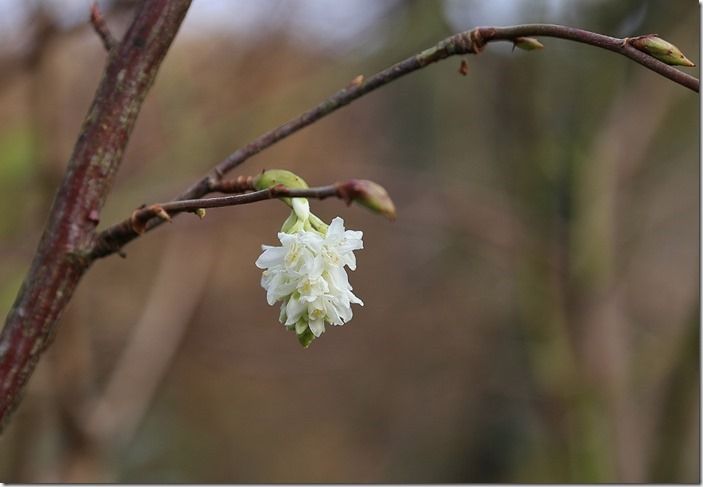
(477, 41)
(356, 82)
(138, 221)
(100, 26)
(161, 213)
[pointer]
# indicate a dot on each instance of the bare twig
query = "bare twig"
(614, 44)
(62, 258)
(469, 42)
(137, 224)
(101, 28)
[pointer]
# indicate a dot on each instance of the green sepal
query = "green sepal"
(306, 338)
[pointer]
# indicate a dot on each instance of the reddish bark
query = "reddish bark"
(62, 256)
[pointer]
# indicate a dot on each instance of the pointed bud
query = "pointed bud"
(657, 47)
(200, 212)
(369, 194)
(356, 82)
(161, 213)
(527, 43)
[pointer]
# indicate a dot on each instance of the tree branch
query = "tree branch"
(112, 238)
(63, 253)
(469, 42)
(614, 44)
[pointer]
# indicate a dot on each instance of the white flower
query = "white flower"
(307, 274)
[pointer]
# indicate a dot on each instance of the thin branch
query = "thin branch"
(614, 44)
(469, 42)
(101, 28)
(135, 225)
(280, 191)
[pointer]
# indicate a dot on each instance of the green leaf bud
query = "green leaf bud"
(658, 48)
(527, 43)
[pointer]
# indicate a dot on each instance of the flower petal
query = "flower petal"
(317, 327)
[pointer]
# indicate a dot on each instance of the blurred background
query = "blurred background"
(531, 316)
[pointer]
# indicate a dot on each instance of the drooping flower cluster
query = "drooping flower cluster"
(307, 274)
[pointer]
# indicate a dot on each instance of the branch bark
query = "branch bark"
(62, 256)
(112, 238)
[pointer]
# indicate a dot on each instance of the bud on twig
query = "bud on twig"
(369, 194)
(527, 43)
(161, 213)
(658, 48)
(356, 82)
(274, 177)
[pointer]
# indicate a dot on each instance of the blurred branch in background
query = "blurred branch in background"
(110, 420)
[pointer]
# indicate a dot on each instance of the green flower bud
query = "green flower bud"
(657, 47)
(301, 208)
(305, 338)
(272, 177)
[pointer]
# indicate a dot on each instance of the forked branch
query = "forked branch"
(469, 42)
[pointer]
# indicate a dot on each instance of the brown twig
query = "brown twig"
(143, 217)
(63, 253)
(469, 42)
(101, 28)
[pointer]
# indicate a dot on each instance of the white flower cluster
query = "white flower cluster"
(307, 274)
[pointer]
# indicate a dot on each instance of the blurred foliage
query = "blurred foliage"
(532, 315)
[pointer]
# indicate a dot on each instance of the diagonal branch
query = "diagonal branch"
(469, 42)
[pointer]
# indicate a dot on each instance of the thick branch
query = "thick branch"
(63, 253)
